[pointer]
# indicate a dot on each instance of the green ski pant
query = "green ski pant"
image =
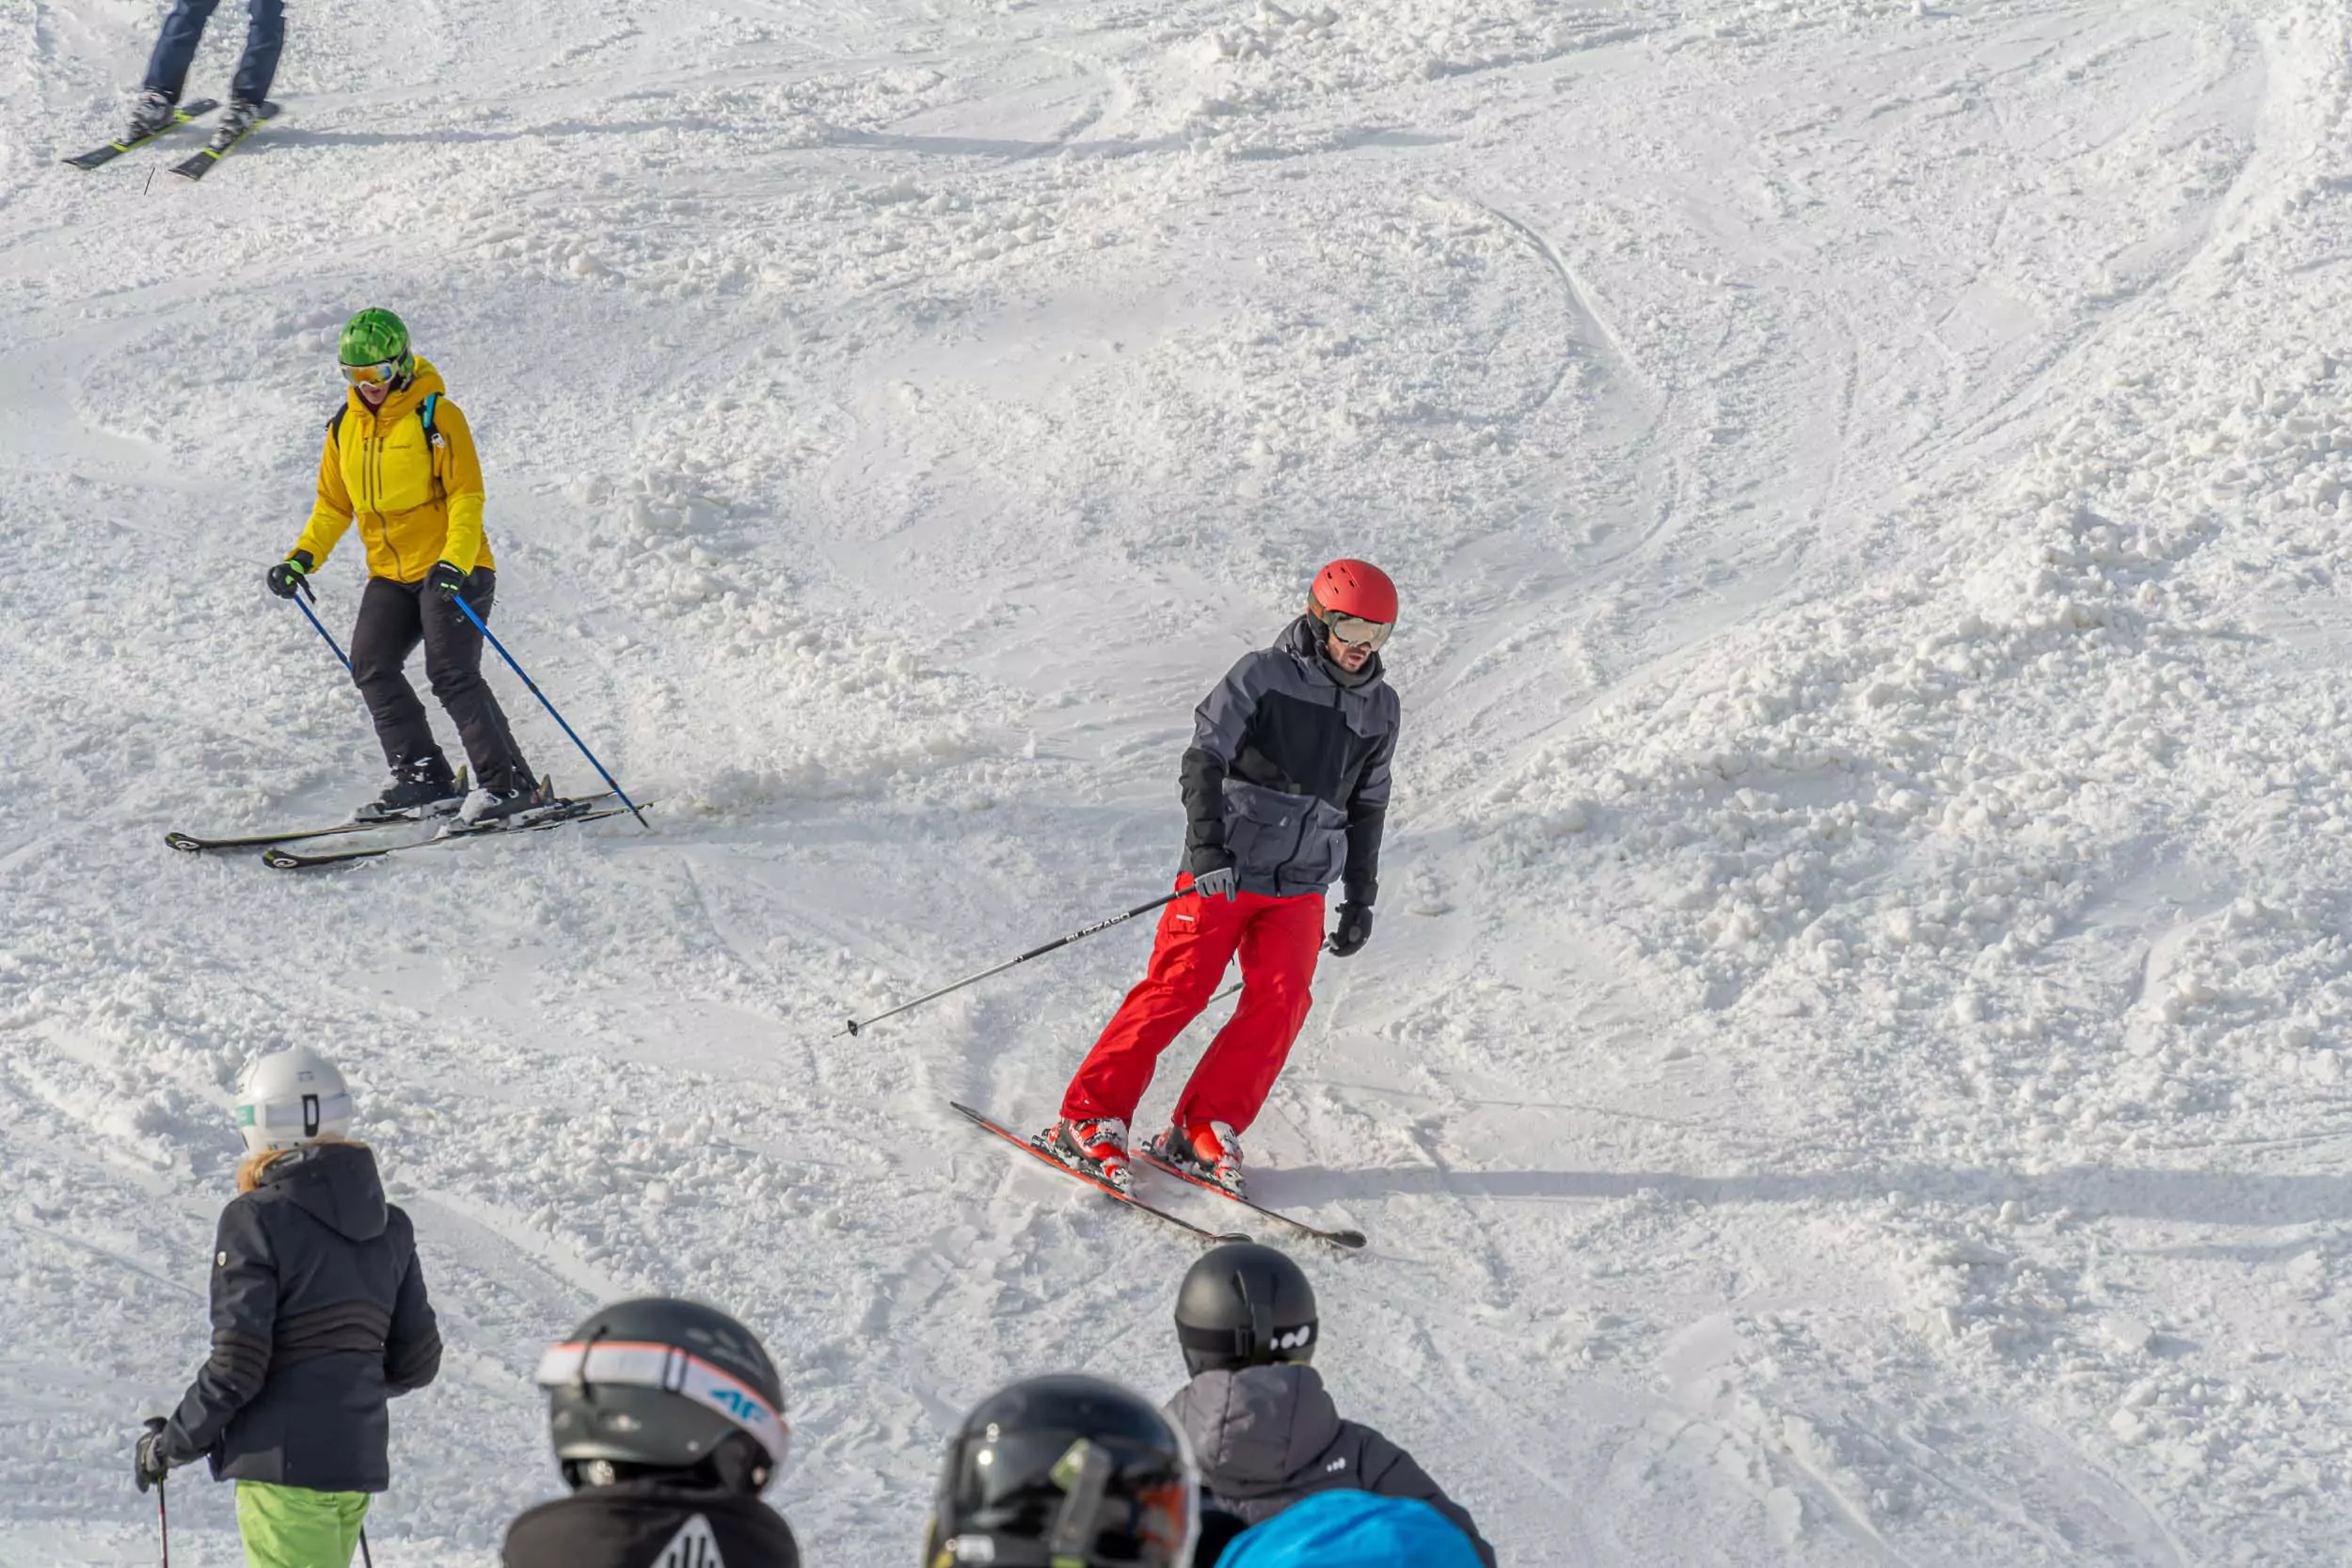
(293, 1527)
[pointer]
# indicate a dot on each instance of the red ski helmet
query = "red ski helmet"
(1356, 588)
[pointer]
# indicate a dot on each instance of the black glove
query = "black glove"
(1214, 875)
(147, 1465)
(285, 579)
(445, 579)
(1355, 930)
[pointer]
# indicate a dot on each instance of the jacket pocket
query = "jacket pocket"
(1264, 829)
(1321, 854)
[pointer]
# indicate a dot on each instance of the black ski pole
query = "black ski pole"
(163, 1517)
(366, 1557)
(857, 1024)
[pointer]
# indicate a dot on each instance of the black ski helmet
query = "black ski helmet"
(1245, 1305)
(662, 1387)
(1065, 1472)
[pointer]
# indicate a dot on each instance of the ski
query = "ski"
(112, 149)
(1350, 1239)
(551, 816)
(198, 163)
(1101, 1186)
(195, 844)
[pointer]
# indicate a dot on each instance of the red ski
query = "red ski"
(1101, 1186)
(1350, 1239)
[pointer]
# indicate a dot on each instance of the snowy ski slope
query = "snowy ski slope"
(1852, 1068)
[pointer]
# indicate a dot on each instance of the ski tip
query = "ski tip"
(1348, 1239)
(1227, 1237)
(280, 859)
(182, 841)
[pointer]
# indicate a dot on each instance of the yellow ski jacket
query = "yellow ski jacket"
(416, 502)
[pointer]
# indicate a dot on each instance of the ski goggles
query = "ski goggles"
(1355, 632)
(379, 374)
(624, 1364)
(296, 1116)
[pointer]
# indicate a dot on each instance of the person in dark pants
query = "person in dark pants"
(175, 50)
(399, 462)
(319, 1317)
(1262, 1425)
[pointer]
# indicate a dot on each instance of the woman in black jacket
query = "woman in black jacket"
(319, 1317)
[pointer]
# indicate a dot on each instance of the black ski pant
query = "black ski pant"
(394, 617)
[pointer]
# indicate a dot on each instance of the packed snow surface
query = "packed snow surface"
(1852, 1068)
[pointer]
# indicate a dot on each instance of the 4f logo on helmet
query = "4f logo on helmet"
(739, 1405)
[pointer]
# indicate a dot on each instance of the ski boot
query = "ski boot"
(486, 808)
(1092, 1146)
(151, 113)
(424, 788)
(1207, 1151)
(235, 120)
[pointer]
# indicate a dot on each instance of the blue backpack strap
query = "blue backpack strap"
(424, 412)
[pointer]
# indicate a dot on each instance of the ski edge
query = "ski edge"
(1344, 1236)
(986, 1124)
(197, 165)
(194, 845)
(286, 859)
(98, 157)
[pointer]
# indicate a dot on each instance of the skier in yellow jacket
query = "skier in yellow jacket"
(399, 462)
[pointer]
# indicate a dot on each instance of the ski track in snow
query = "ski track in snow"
(1851, 1068)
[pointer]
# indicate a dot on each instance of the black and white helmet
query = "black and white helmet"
(1245, 1305)
(667, 1388)
(1065, 1472)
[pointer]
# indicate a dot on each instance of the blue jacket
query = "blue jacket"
(1352, 1529)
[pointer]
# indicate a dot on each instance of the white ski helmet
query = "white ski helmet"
(291, 1097)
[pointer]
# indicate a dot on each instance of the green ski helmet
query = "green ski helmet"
(375, 336)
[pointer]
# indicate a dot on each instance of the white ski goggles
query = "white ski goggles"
(1357, 631)
(624, 1364)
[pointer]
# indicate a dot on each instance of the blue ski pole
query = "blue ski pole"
(321, 630)
(491, 638)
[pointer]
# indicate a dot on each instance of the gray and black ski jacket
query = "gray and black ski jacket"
(319, 1317)
(1288, 771)
(1266, 1436)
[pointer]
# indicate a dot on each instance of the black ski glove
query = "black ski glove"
(286, 578)
(445, 579)
(1214, 875)
(147, 1465)
(1355, 930)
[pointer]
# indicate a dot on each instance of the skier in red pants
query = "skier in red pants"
(1286, 787)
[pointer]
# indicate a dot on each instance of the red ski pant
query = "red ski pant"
(1278, 939)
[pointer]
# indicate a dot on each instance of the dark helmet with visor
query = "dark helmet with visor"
(1245, 1305)
(665, 1389)
(1065, 1472)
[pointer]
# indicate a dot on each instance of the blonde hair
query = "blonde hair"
(250, 1170)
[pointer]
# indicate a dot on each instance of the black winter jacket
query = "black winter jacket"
(319, 1316)
(645, 1525)
(1288, 772)
(1266, 1436)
